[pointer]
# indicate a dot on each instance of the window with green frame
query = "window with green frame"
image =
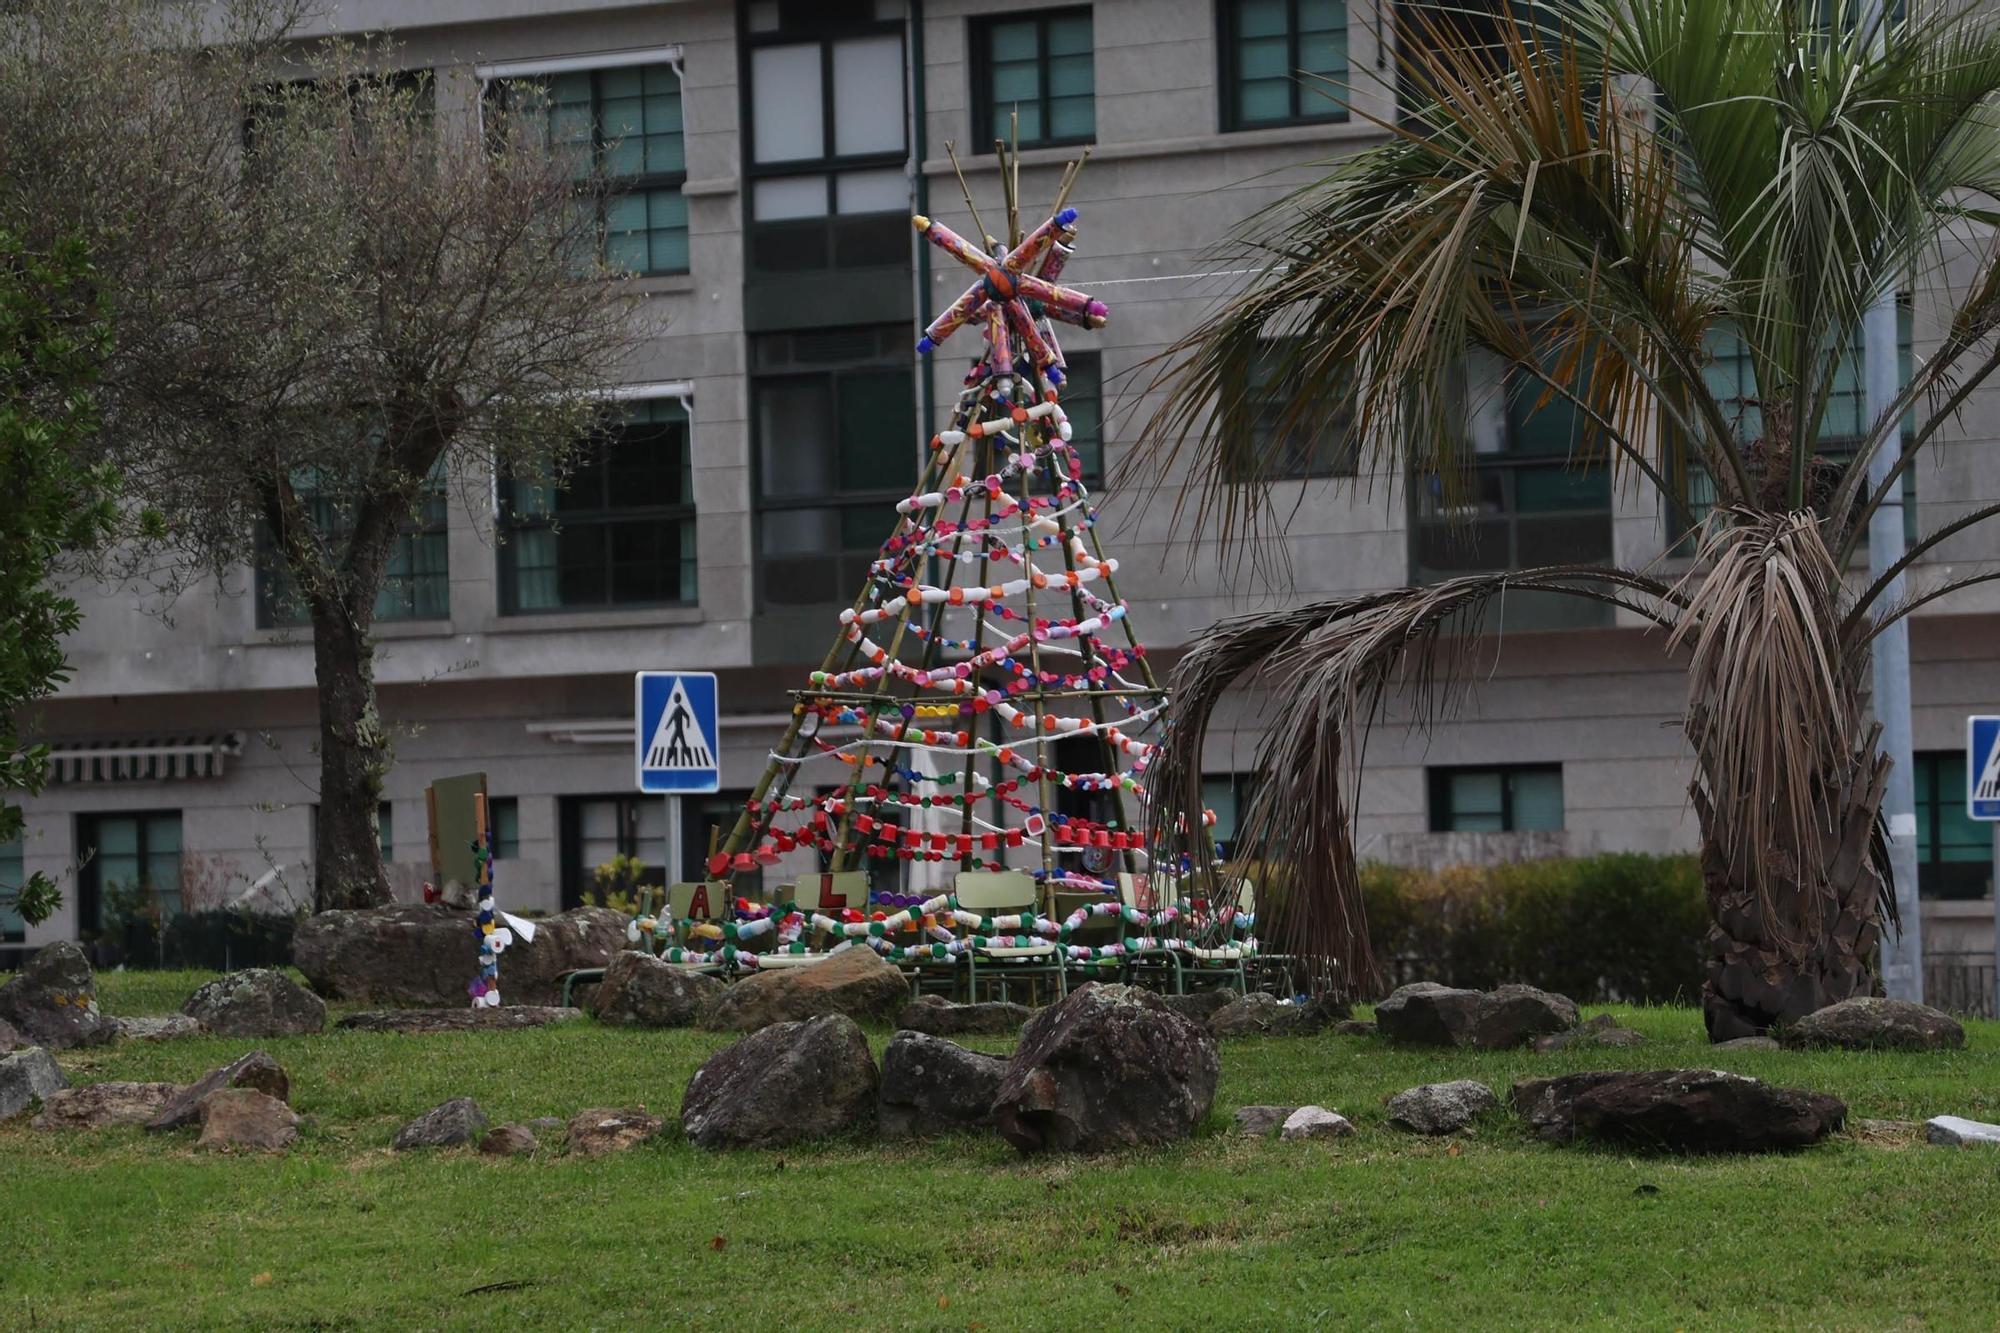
(418, 583)
(618, 531)
(1501, 798)
(1229, 796)
(1954, 852)
(625, 121)
(13, 873)
(1284, 62)
(131, 861)
(504, 815)
(1039, 65)
(1255, 426)
(1732, 380)
(1083, 403)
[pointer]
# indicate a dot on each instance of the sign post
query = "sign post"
(676, 732)
(1982, 802)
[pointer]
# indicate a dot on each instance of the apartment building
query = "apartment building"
(774, 151)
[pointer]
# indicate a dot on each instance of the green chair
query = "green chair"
(1095, 932)
(1161, 959)
(1222, 945)
(999, 893)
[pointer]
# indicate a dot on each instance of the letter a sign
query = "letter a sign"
(676, 731)
(1982, 768)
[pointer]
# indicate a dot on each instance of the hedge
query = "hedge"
(217, 940)
(1622, 926)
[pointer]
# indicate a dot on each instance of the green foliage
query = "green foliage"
(53, 339)
(617, 882)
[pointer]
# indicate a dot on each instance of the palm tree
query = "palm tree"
(1594, 197)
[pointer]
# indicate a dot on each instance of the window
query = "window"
(1732, 380)
(835, 424)
(826, 144)
(1464, 25)
(1083, 403)
(1284, 62)
(1039, 66)
(1954, 853)
(418, 584)
(13, 873)
(385, 830)
(503, 818)
(706, 822)
(1504, 799)
(626, 122)
(1229, 795)
(596, 828)
(1531, 496)
(132, 864)
(1256, 426)
(619, 531)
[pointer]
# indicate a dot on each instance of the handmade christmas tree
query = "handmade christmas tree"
(986, 704)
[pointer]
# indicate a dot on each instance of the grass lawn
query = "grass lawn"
(118, 1229)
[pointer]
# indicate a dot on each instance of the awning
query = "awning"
(145, 760)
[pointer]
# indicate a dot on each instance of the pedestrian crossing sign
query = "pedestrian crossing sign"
(676, 732)
(1982, 768)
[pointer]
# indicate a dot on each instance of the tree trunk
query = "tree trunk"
(354, 756)
(1756, 977)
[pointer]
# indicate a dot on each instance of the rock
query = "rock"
(53, 1002)
(505, 1018)
(1354, 1027)
(446, 1125)
(1747, 1044)
(1260, 1122)
(602, 1130)
(1315, 1122)
(95, 1105)
(1685, 1110)
(27, 1077)
(256, 1071)
(1202, 1005)
(422, 954)
(932, 1086)
(11, 1038)
(508, 1141)
(1260, 1014)
(783, 1083)
(1426, 1014)
(1885, 1133)
(1955, 1131)
(246, 1118)
(640, 990)
(549, 1124)
(256, 1002)
(1869, 1022)
(163, 1027)
(1602, 1030)
(1108, 1067)
(1440, 1108)
(941, 1018)
(857, 982)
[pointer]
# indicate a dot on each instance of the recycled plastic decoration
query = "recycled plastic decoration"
(986, 702)
(494, 937)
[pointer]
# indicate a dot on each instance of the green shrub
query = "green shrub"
(1620, 926)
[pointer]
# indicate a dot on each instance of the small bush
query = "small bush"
(1622, 926)
(216, 940)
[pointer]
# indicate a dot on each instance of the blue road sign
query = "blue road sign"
(1982, 768)
(675, 731)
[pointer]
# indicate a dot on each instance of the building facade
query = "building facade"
(774, 151)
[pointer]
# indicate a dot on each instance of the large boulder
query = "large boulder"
(1261, 1014)
(1427, 1014)
(933, 1086)
(95, 1105)
(11, 1038)
(155, 1027)
(256, 1002)
(782, 1083)
(246, 1118)
(1680, 1110)
(1602, 1030)
(255, 1071)
(53, 1002)
(857, 982)
(1109, 1067)
(27, 1077)
(941, 1018)
(641, 990)
(1869, 1022)
(418, 1022)
(423, 954)
(1440, 1108)
(449, 1124)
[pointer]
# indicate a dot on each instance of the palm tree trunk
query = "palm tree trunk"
(1771, 970)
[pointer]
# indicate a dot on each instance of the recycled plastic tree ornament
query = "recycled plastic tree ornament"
(494, 936)
(1001, 708)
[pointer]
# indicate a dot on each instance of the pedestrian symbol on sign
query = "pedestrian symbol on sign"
(675, 731)
(1982, 768)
